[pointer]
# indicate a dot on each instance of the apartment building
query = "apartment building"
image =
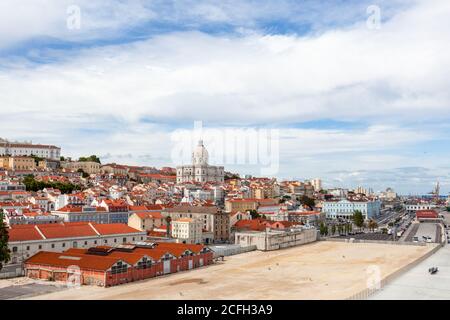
(90, 167)
(28, 149)
(18, 163)
(212, 218)
(145, 220)
(187, 230)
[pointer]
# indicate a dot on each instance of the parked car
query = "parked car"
(416, 239)
(433, 270)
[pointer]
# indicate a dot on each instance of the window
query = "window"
(53, 246)
(85, 243)
(28, 248)
(40, 246)
(95, 241)
(14, 249)
(124, 240)
(106, 241)
(119, 268)
(144, 263)
(63, 244)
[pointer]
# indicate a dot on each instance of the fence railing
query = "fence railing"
(230, 251)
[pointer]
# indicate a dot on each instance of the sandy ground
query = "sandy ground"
(321, 270)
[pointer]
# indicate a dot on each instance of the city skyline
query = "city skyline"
(349, 107)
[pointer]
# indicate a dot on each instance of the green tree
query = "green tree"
(32, 184)
(323, 229)
(92, 158)
(4, 237)
(83, 173)
(254, 214)
(333, 229)
(358, 219)
(307, 201)
(372, 225)
(168, 221)
(37, 159)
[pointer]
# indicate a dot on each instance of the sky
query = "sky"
(355, 92)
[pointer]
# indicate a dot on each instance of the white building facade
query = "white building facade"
(345, 208)
(28, 149)
(187, 230)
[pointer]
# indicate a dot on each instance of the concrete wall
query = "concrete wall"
(275, 239)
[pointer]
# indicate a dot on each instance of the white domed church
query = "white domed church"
(200, 170)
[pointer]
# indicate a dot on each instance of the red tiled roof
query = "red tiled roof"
(426, 214)
(65, 259)
(114, 228)
(24, 234)
(149, 215)
(66, 230)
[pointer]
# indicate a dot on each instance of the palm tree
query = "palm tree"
(372, 225)
(4, 237)
(333, 229)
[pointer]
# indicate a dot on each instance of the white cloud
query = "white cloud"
(388, 78)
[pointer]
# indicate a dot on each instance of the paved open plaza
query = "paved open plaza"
(321, 270)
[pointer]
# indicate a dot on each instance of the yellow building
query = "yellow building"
(17, 163)
(145, 221)
(243, 205)
(90, 167)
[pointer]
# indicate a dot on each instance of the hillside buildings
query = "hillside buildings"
(200, 170)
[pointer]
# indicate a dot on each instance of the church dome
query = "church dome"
(200, 154)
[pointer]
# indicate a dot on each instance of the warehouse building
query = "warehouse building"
(109, 266)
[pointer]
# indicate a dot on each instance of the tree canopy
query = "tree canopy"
(305, 200)
(358, 218)
(4, 237)
(92, 158)
(32, 184)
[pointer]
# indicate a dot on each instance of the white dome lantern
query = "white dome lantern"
(200, 155)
